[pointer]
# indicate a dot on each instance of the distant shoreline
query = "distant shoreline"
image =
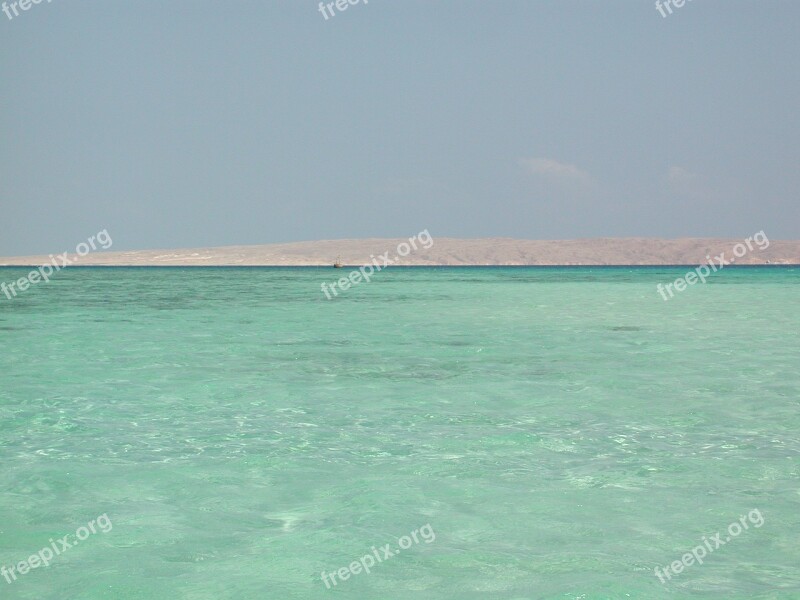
(445, 252)
(394, 267)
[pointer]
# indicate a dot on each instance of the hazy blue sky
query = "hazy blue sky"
(176, 124)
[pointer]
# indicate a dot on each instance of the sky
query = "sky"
(195, 124)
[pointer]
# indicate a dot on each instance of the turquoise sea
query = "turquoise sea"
(563, 431)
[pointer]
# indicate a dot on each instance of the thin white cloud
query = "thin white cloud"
(679, 175)
(553, 168)
(684, 182)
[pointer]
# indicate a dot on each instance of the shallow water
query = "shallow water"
(563, 432)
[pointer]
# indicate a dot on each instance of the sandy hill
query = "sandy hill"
(450, 251)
